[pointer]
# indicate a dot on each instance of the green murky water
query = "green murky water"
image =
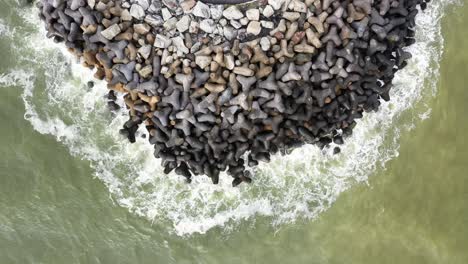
(56, 207)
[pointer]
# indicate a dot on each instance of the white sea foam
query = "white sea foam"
(3, 28)
(300, 185)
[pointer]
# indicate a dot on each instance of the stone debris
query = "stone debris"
(110, 32)
(221, 85)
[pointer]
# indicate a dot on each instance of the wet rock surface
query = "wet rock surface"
(221, 87)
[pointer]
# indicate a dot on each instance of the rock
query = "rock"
(166, 14)
(194, 27)
(100, 6)
(125, 15)
(203, 61)
(298, 6)
(141, 29)
(267, 24)
(268, 11)
(170, 24)
(180, 45)
(276, 4)
(145, 51)
(111, 31)
(146, 71)
(291, 16)
(126, 5)
(154, 21)
(253, 14)
(229, 32)
(162, 41)
(91, 3)
(207, 25)
(233, 13)
(216, 11)
(229, 61)
(187, 5)
(336, 150)
(243, 71)
(254, 28)
(244, 21)
(137, 12)
(172, 4)
(201, 10)
(195, 48)
(236, 24)
(143, 3)
(265, 44)
(183, 24)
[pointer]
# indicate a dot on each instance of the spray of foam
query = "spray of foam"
(300, 185)
(4, 30)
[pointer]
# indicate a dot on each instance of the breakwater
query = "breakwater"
(222, 87)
